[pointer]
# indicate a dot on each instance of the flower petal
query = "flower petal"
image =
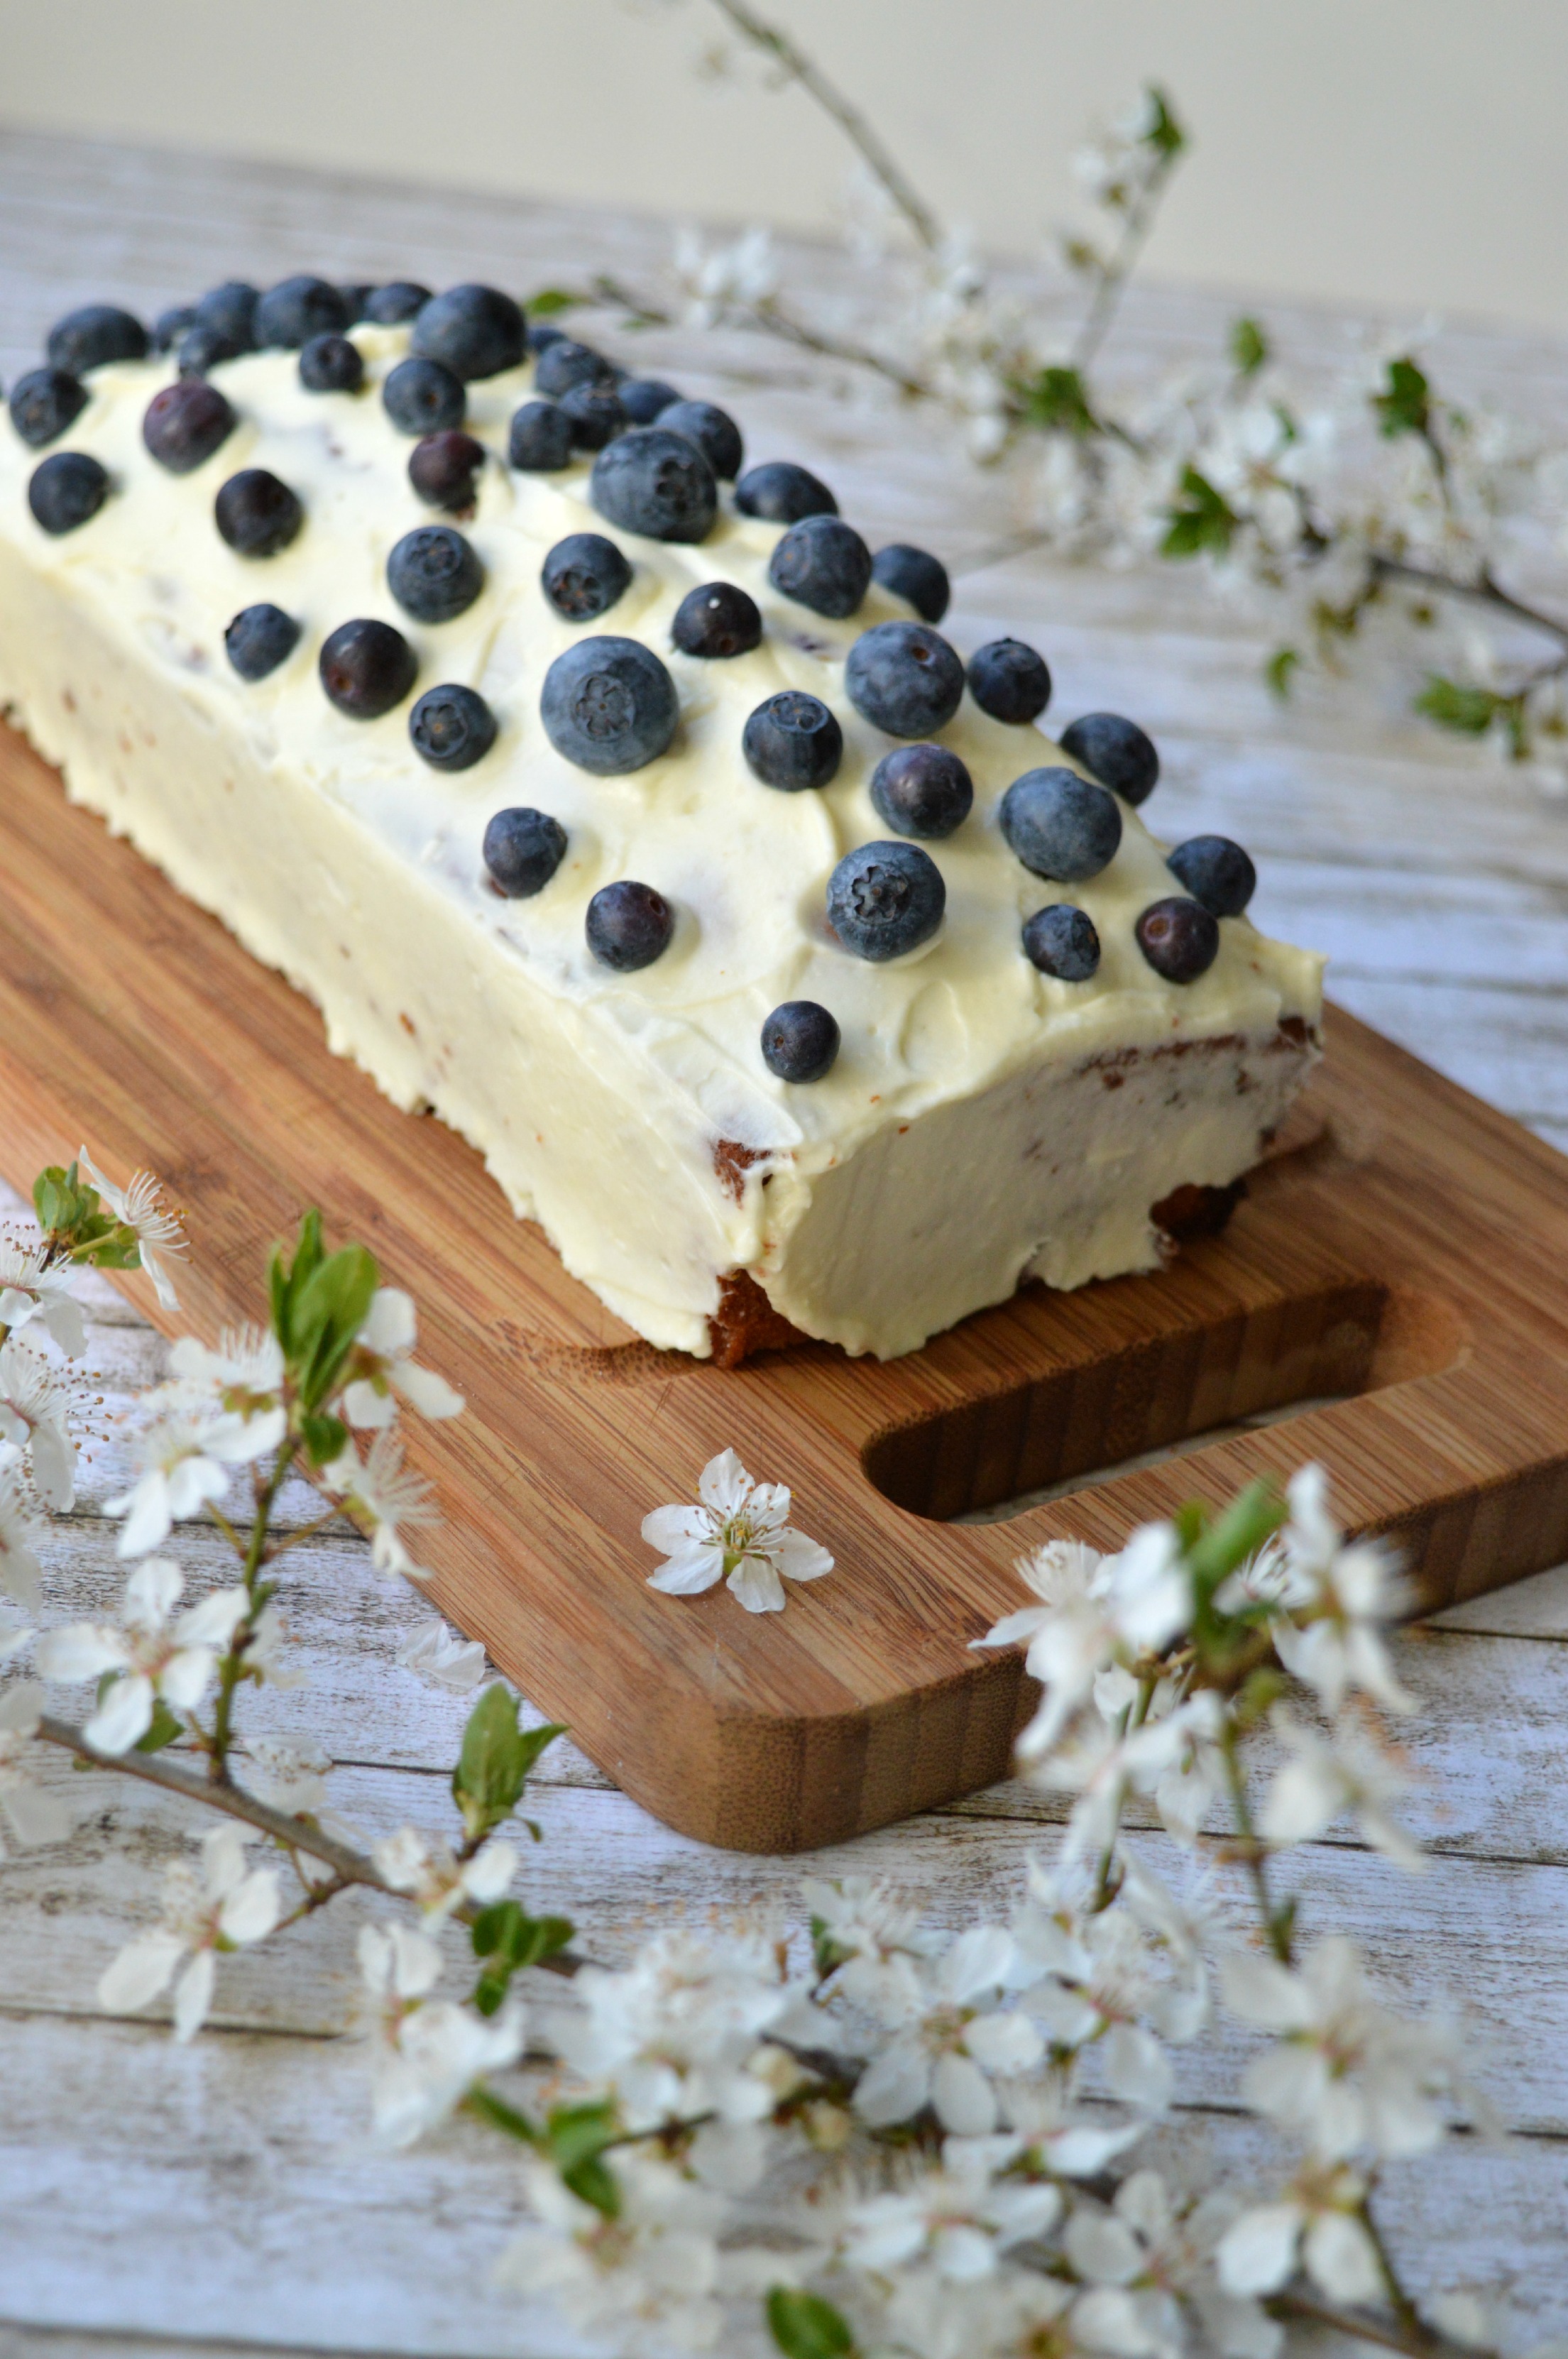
(139, 1973)
(124, 1717)
(193, 1996)
(798, 1558)
(756, 1585)
(696, 1568)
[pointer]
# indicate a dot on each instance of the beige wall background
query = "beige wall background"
(1405, 154)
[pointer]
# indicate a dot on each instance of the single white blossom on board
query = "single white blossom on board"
(185, 1452)
(224, 1907)
(430, 2051)
(379, 1491)
(29, 1292)
(651, 2274)
(673, 2037)
(954, 2035)
(430, 1873)
(962, 2216)
(19, 1535)
(442, 1660)
(152, 1651)
(1313, 2226)
(381, 1369)
(738, 1533)
(1348, 1770)
(31, 1815)
(34, 1408)
(159, 1235)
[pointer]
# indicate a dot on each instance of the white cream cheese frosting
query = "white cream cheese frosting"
(967, 1133)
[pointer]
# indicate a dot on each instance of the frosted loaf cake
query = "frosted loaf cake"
(631, 817)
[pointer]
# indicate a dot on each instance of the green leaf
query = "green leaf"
(1058, 402)
(325, 1437)
(1279, 669)
(163, 1730)
(1163, 132)
(1468, 711)
(68, 1211)
(329, 1311)
(287, 1281)
(595, 2183)
(1235, 1535)
(827, 1953)
(494, 2110)
(1249, 346)
(509, 1939)
(1201, 520)
(1404, 407)
(551, 298)
(496, 1756)
(804, 2326)
(577, 2136)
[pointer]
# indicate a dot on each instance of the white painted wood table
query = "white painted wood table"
(160, 2200)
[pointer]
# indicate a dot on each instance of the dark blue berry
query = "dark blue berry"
(799, 1041)
(609, 705)
(716, 620)
(1179, 939)
(231, 309)
(473, 330)
(185, 423)
(523, 849)
(1009, 682)
(366, 667)
(1060, 825)
(452, 727)
(655, 483)
(822, 562)
(295, 309)
(203, 346)
(780, 493)
(260, 638)
(885, 900)
(793, 741)
(422, 397)
(914, 574)
(1062, 941)
(399, 299)
(442, 468)
(565, 362)
(84, 340)
(255, 514)
(712, 429)
(355, 297)
(434, 574)
(594, 414)
(330, 364)
(67, 489)
(171, 325)
(539, 440)
(922, 790)
(642, 398)
(1115, 752)
(584, 575)
(1216, 872)
(43, 404)
(628, 925)
(902, 676)
(541, 332)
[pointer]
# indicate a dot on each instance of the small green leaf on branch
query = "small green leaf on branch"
(1280, 669)
(1162, 132)
(1058, 401)
(576, 2136)
(1201, 520)
(507, 1938)
(496, 1757)
(1469, 711)
(551, 298)
(806, 2327)
(1404, 407)
(1249, 346)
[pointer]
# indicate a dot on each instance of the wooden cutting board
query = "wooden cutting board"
(1410, 1252)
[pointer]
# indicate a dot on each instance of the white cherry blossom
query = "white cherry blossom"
(1349, 1770)
(442, 1660)
(961, 2217)
(245, 1374)
(1334, 1598)
(31, 1290)
(159, 1235)
(381, 1369)
(958, 2039)
(34, 1408)
(429, 2052)
(152, 1651)
(380, 1491)
(1315, 2226)
(651, 2271)
(674, 2035)
(433, 1877)
(224, 1907)
(185, 1451)
(737, 1533)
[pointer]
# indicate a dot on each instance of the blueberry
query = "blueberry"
(43, 404)
(1062, 941)
(1179, 939)
(331, 364)
(565, 362)
(1009, 682)
(473, 330)
(1216, 872)
(84, 340)
(255, 514)
(799, 1041)
(923, 790)
(442, 468)
(171, 325)
(781, 492)
(915, 575)
(822, 563)
(792, 741)
(399, 299)
(712, 429)
(366, 667)
(295, 309)
(355, 298)
(422, 397)
(185, 423)
(540, 439)
(452, 727)
(260, 638)
(609, 705)
(657, 483)
(67, 489)
(642, 398)
(628, 925)
(584, 575)
(901, 677)
(231, 309)
(1060, 825)
(434, 574)
(594, 414)
(885, 900)
(203, 346)
(523, 849)
(716, 620)
(541, 333)
(1115, 752)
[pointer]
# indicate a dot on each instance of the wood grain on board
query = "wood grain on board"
(1408, 1258)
